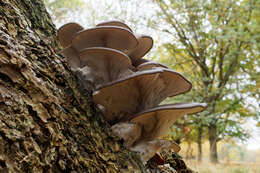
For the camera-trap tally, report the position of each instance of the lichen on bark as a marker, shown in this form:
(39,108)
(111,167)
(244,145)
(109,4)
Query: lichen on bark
(48,122)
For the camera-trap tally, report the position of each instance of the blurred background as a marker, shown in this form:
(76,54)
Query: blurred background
(216,45)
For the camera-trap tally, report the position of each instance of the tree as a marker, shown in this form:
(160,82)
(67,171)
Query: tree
(215,46)
(48,123)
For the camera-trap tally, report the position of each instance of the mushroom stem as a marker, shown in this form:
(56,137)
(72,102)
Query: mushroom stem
(147,149)
(130,132)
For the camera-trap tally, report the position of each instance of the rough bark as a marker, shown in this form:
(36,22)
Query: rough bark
(199,144)
(48,123)
(213,143)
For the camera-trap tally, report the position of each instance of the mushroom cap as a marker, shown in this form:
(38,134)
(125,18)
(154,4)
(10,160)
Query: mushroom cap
(66,32)
(115,23)
(105,36)
(145,43)
(150,65)
(167,84)
(122,97)
(143,90)
(107,63)
(157,121)
(147,149)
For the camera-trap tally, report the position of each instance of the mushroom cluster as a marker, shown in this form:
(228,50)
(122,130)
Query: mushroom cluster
(108,59)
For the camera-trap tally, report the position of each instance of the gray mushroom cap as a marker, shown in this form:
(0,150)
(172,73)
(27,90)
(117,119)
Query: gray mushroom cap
(157,121)
(66,32)
(148,65)
(140,91)
(145,43)
(105,36)
(115,23)
(76,40)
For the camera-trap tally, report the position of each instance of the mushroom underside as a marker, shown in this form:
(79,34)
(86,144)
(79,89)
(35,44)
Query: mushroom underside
(157,121)
(138,92)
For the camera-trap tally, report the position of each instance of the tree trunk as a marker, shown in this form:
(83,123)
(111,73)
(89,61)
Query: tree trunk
(199,144)
(48,123)
(213,143)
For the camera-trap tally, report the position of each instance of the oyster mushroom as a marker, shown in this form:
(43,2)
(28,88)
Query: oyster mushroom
(104,65)
(154,123)
(65,35)
(105,36)
(145,43)
(157,121)
(66,32)
(121,97)
(148,65)
(142,90)
(115,23)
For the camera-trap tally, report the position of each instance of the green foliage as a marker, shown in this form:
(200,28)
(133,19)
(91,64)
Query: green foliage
(215,44)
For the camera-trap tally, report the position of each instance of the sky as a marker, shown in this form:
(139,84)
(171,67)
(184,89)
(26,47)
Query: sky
(254,141)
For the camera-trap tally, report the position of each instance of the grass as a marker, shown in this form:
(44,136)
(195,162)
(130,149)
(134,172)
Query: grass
(206,167)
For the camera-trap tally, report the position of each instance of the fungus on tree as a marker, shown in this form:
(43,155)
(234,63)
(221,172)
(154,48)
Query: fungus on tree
(155,124)
(104,65)
(157,121)
(145,89)
(115,23)
(75,39)
(145,42)
(109,60)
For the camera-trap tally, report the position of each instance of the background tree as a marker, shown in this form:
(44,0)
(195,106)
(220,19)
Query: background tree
(215,44)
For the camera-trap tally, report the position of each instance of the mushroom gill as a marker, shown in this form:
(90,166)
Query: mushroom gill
(156,122)
(105,64)
(75,39)
(121,98)
(143,90)
(145,42)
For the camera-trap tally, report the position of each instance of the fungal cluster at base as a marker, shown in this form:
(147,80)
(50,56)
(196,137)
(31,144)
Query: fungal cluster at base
(108,59)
